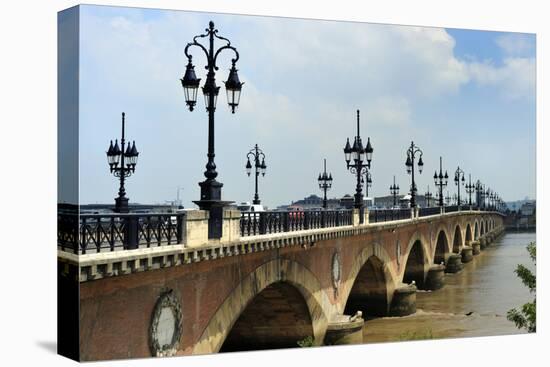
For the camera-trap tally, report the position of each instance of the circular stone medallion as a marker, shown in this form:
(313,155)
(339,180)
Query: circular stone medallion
(165,329)
(336,270)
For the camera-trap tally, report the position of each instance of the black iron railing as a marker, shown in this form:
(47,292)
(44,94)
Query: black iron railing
(386,215)
(284,221)
(95,233)
(451,208)
(434,210)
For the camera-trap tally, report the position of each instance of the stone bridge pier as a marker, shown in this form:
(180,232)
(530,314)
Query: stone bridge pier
(266,291)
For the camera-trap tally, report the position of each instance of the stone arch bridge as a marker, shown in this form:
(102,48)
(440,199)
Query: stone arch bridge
(266,290)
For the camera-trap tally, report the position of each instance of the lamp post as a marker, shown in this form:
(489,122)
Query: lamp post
(479,194)
(470,187)
(488,198)
(210,188)
(394,190)
(361,158)
(325,183)
(368,183)
(412,151)
(459,180)
(428,195)
(122,164)
(492,198)
(260,167)
(440,181)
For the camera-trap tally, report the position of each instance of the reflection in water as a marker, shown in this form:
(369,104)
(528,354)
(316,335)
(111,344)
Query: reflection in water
(473,302)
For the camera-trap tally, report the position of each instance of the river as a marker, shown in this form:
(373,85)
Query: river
(474,302)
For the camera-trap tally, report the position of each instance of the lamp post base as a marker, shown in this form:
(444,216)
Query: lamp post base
(121,205)
(211,193)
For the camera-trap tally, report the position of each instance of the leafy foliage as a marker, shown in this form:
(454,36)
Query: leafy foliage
(307,342)
(526,318)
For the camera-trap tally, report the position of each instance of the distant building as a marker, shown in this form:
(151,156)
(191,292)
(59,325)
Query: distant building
(524,217)
(528,208)
(313,202)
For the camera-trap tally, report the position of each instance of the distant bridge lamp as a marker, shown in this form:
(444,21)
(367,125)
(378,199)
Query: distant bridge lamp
(210,188)
(470,188)
(412,151)
(448,199)
(394,191)
(122,164)
(428,195)
(479,194)
(367,182)
(459,180)
(488,198)
(440,181)
(259,167)
(325,183)
(358,161)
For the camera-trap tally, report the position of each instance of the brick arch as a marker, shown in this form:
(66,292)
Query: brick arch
(469,236)
(441,245)
(279,270)
(458,238)
(379,253)
(423,258)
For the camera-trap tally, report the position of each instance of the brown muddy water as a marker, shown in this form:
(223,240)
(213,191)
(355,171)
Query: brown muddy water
(473,302)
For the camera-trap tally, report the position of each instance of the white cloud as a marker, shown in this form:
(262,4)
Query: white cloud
(515,79)
(516,44)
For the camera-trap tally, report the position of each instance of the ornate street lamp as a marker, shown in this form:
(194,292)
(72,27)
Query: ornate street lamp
(325,183)
(459,180)
(488,198)
(412,151)
(122,164)
(259,167)
(361,158)
(210,188)
(470,188)
(428,195)
(394,190)
(440,181)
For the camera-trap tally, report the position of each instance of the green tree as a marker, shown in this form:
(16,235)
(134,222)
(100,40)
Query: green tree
(526,318)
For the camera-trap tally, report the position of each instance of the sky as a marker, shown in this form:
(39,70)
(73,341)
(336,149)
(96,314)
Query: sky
(466,95)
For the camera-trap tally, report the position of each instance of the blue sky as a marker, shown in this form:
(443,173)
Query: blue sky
(466,95)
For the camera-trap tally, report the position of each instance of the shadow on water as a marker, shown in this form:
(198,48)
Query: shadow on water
(473,302)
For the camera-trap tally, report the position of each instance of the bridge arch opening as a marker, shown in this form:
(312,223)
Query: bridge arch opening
(278,317)
(414,269)
(441,248)
(476,231)
(468,234)
(457,241)
(369,292)
(482,227)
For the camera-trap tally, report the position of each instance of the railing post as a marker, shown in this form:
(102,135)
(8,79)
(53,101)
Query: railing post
(131,233)
(179,228)
(286,217)
(84,239)
(307,218)
(263,223)
(323,219)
